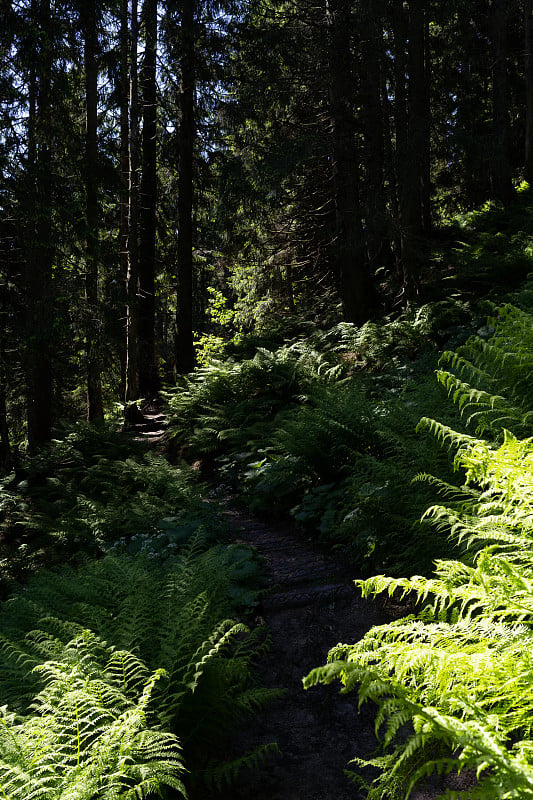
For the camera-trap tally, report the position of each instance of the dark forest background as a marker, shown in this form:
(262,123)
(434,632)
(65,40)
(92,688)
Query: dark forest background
(173,173)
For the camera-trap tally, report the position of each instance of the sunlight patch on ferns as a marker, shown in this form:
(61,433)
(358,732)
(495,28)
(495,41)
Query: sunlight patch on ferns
(127,642)
(452,681)
(87,737)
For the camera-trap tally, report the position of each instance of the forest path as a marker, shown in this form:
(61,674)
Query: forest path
(310,606)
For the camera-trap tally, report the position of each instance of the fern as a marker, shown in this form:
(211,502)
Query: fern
(451,682)
(121,621)
(74,500)
(86,737)
(227,404)
(496,394)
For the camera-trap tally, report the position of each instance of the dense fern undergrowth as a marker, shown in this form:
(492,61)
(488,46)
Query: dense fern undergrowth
(323,428)
(452,681)
(123,670)
(349,432)
(123,659)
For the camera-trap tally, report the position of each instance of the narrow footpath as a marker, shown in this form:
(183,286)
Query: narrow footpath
(309,606)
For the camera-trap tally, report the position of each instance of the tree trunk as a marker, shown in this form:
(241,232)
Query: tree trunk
(409,85)
(148,372)
(373,125)
(502,185)
(425,132)
(350,247)
(6,461)
(528,27)
(124,167)
(39,292)
(186,134)
(419,113)
(132,286)
(95,406)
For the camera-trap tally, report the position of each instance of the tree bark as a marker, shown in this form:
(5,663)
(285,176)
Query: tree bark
(502,185)
(528,29)
(6,461)
(95,405)
(39,289)
(148,372)
(186,135)
(350,246)
(424,112)
(124,167)
(410,109)
(132,284)
(373,125)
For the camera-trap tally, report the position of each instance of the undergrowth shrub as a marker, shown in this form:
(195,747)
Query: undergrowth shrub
(392,342)
(490,381)
(452,680)
(343,465)
(88,736)
(115,660)
(494,250)
(84,492)
(228,405)
(319,429)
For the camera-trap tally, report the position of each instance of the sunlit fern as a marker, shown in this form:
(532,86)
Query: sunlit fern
(87,734)
(490,381)
(452,681)
(132,617)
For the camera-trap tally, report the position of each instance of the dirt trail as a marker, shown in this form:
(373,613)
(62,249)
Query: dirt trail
(311,606)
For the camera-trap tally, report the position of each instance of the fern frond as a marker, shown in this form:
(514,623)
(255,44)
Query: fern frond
(444,434)
(219,774)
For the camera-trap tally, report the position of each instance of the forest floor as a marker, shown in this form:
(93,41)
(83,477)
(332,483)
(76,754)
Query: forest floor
(309,605)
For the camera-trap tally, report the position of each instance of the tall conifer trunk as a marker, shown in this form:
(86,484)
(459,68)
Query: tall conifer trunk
(6,459)
(132,284)
(39,288)
(5,447)
(148,373)
(424,113)
(373,124)
(124,167)
(186,134)
(350,248)
(412,136)
(528,37)
(95,406)
(502,186)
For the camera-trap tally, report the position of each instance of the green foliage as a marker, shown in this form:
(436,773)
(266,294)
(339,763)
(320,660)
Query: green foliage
(490,380)
(495,249)
(226,405)
(375,344)
(325,428)
(88,736)
(452,680)
(318,442)
(88,490)
(207,348)
(343,463)
(108,664)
